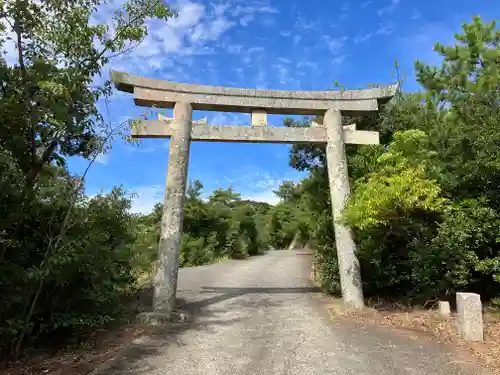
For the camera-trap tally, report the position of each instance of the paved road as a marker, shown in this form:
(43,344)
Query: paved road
(261,316)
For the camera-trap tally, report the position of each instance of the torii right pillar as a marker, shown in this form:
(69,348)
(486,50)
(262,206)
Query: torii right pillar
(349,270)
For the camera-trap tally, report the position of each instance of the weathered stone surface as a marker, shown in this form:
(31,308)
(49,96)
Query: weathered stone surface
(259,117)
(158,319)
(350,275)
(161,93)
(470,316)
(171,225)
(444,309)
(245,104)
(360,137)
(249,134)
(202,121)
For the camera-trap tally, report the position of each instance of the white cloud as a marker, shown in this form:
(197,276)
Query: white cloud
(211,31)
(389,8)
(240,10)
(258,184)
(283,74)
(253,50)
(307,65)
(338,60)
(385,29)
(189,14)
(253,55)
(416,14)
(285,33)
(197,30)
(363,38)
(302,24)
(220,9)
(102,159)
(146,150)
(420,45)
(251,182)
(261,81)
(234,48)
(343,17)
(145,197)
(266,197)
(245,20)
(344,12)
(335,45)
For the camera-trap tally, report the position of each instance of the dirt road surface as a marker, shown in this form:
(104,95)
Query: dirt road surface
(263,316)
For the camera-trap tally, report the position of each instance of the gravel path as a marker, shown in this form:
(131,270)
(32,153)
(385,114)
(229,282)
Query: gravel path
(262,316)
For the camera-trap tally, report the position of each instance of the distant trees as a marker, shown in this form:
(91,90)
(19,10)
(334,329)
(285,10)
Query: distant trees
(223,226)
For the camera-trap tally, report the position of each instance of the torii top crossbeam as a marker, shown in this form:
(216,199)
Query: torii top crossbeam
(164,94)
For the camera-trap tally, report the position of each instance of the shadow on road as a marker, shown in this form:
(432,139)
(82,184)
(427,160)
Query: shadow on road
(228,293)
(141,356)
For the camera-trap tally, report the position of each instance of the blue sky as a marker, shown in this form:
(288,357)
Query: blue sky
(274,44)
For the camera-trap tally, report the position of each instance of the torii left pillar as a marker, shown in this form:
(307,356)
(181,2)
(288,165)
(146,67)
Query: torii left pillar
(173,212)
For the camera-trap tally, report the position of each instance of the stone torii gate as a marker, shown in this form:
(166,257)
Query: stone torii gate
(182,130)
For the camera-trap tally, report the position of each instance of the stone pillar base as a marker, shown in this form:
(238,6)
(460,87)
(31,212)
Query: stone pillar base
(444,309)
(159,319)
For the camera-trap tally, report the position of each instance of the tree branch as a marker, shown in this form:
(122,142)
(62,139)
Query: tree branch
(28,112)
(119,34)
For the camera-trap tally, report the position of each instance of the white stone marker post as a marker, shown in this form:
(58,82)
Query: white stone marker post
(470,316)
(171,224)
(444,309)
(350,275)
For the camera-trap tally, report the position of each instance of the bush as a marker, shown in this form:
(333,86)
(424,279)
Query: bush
(465,254)
(325,255)
(72,280)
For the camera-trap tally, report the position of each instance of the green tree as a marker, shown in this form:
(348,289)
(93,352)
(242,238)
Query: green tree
(194,190)
(65,259)
(424,204)
(48,107)
(466,90)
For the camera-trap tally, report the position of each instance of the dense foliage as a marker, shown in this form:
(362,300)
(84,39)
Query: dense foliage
(65,259)
(222,227)
(425,205)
